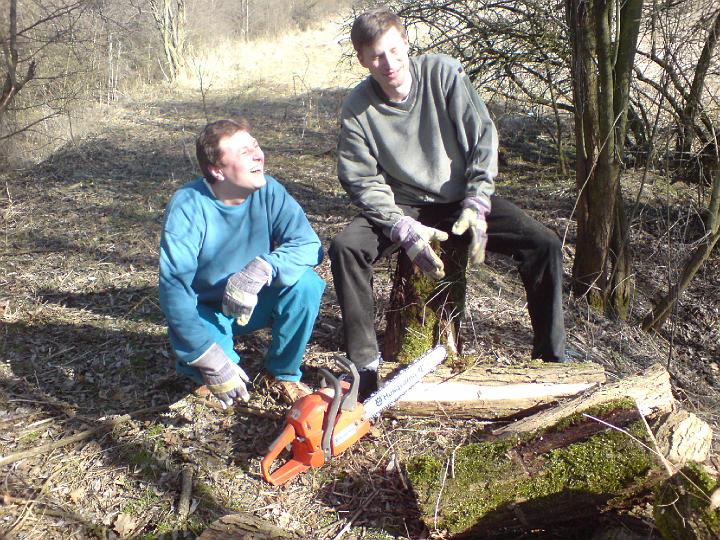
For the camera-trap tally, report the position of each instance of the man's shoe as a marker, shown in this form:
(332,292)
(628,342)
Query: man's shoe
(202,391)
(368,383)
(288,391)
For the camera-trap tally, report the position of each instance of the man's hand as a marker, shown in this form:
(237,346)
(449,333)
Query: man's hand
(223,377)
(415,238)
(242,288)
(473,217)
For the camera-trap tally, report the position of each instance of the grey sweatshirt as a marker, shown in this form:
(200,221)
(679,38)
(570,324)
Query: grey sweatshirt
(438,146)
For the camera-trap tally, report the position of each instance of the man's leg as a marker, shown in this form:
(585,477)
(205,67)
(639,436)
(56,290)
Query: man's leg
(352,254)
(290,312)
(220,329)
(538,252)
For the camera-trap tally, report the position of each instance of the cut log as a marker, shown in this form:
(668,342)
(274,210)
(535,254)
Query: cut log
(562,471)
(423,312)
(494,392)
(245,527)
(684,437)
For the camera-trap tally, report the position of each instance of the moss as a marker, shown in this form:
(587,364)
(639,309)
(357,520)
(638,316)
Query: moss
(598,411)
(486,478)
(682,505)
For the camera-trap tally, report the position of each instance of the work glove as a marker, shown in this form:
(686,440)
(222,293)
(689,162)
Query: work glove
(240,297)
(223,377)
(473,217)
(415,238)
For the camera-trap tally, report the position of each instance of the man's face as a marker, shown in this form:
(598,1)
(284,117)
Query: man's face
(242,163)
(388,63)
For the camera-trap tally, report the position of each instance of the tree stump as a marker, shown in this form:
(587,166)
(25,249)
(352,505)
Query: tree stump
(422,312)
(560,471)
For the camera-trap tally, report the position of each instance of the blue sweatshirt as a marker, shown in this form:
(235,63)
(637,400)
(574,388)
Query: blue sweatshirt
(205,241)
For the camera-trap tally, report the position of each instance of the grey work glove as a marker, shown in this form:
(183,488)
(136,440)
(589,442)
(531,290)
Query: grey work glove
(415,238)
(240,297)
(475,209)
(223,377)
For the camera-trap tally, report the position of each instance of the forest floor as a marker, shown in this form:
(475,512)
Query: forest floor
(83,339)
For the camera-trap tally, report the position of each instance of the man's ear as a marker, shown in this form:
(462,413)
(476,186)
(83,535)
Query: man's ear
(216,173)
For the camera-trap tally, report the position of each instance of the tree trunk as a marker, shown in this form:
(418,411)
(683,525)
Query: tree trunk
(602,60)
(422,312)
(494,392)
(561,471)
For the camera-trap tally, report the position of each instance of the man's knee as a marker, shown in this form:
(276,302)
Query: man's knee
(308,290)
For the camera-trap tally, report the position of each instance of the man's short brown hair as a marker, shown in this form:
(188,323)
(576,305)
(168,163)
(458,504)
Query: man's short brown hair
(372,24)
(207,145)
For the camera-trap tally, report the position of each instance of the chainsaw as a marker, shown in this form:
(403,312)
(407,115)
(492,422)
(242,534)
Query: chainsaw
(327,422)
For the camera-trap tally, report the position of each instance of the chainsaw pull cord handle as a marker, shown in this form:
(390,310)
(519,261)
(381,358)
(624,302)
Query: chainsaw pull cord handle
(350,400)
(331,415)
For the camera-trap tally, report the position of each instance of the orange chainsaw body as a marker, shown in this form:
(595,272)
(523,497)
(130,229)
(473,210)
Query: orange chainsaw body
(305,430)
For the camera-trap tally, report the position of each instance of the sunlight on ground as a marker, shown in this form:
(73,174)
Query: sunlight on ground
(297,62)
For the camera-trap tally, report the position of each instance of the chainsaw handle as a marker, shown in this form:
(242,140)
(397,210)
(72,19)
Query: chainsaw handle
(331,416)
(288,470)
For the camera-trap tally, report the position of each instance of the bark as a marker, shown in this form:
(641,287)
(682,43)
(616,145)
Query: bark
(494,392)
(422,312)
(245,527)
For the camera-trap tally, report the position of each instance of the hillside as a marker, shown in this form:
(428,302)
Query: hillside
(83,338)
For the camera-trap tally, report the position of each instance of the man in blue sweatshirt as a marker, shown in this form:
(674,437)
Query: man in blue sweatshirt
(418,154)
(237,254)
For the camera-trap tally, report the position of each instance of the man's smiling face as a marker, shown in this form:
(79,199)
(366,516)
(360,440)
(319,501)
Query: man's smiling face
(388,62)
(242,163)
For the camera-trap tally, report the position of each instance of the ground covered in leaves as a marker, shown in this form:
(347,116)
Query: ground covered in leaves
(82,340)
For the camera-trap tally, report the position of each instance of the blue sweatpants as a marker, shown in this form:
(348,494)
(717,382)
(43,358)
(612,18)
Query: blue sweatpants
(290,312)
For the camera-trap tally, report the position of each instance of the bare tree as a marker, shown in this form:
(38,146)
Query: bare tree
(170,19)
(26,41)
(603,52)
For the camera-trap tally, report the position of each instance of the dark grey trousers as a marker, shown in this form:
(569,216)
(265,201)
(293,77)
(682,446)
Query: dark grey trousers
(536,249)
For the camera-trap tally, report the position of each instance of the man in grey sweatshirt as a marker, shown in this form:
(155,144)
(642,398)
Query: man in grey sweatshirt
(418,155)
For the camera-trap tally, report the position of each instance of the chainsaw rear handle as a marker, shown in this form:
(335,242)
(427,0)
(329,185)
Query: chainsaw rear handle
(331,416)
(288,470)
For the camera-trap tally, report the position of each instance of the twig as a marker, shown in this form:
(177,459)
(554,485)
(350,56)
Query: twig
(186,492)
(106,426)
(437,502)
(357,513)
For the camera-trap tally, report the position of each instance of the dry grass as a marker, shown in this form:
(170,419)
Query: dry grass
(83,337)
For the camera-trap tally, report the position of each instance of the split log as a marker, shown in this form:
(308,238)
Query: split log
(422,312)
(245,527)
(492,392)
(650,390)
(563,470)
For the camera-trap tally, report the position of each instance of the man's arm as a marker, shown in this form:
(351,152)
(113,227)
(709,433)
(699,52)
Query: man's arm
(178,265)
(297,246)
(476,134)
(362,178)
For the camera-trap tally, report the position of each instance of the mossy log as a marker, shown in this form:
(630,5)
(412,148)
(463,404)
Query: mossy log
(489,391)
(559,473)
(423,312)
(245,527)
